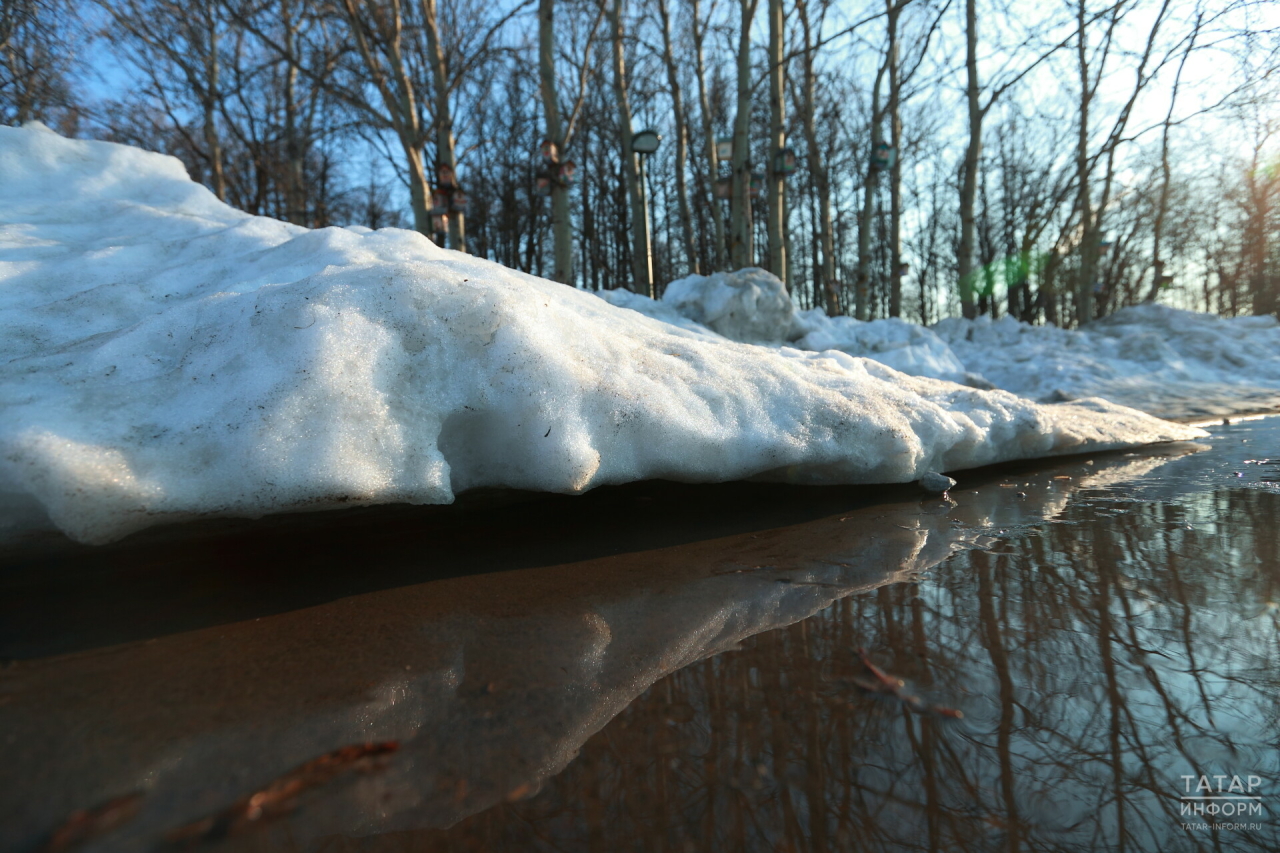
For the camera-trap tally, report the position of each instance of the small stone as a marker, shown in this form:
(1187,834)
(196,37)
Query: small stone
(936,483)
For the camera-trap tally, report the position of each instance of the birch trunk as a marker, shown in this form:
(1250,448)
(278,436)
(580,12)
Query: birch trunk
(862,291)
(445,152)
(826,270)
(682,139)
(718,252)
(642,273)
(561,226)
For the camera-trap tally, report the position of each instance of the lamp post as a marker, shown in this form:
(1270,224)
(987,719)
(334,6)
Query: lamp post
(643,144)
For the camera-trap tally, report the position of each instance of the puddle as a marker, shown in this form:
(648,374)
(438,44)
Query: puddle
(1056,649)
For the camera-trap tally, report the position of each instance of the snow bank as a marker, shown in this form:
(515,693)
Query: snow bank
(164,356)
(908,347)
(753,306)
(1160,359)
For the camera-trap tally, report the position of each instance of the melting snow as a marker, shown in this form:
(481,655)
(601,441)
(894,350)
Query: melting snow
(165,356)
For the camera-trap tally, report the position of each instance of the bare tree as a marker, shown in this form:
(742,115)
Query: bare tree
(777,212)
(682,137)
(641,260)
(719,249)
(741,250)
(35,57)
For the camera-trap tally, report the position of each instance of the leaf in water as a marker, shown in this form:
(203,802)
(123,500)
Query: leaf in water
(280,796)
(87,824)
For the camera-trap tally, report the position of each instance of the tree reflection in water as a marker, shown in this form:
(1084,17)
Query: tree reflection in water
(1097,657)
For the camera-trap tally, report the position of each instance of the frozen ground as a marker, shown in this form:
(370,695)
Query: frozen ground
(1165,361)
(163,356)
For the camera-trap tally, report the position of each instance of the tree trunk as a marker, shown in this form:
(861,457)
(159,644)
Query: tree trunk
(826,270)
(445,154)
(777,139)
(862,293)
(1162,206)
(396,90)
(561,225)
(1084,204)
(972,154)
(295,206)
(210,104)
(741,251)
(682,140)
(895,171)
(641,265)
(718,253)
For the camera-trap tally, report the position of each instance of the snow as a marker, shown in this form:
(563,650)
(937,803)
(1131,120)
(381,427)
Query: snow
(1164,361)
(750,305)
(908,347)
(165,356)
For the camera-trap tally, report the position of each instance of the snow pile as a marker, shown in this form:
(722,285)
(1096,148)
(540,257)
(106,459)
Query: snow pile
(164,356)
(752,306)
(1164,361)
(908,347)
(1160,359)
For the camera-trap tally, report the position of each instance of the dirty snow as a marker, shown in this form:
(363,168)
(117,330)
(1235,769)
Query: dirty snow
(164,356)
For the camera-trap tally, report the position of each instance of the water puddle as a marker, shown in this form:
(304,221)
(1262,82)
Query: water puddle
(1051,659)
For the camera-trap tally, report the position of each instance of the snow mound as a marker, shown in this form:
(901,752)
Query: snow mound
(1160,359)
(164,356)
(908,347)
(750,305)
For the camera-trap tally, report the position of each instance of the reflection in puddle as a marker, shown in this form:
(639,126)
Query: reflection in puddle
(1106,626)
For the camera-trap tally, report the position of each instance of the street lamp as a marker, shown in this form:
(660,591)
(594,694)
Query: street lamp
(643,144)
(646,141)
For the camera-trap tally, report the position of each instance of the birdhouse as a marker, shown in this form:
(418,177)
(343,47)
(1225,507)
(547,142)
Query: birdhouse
(903,269)
(458,202)
(724,148)
(565,173)
(440,223)
(1104,247)
(439,202)
(757,183)
(723,188)
(549,150)
(542,184)
(446,177)
(784,162)
(883,156)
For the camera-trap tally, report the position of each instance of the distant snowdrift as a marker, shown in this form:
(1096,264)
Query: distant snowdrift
(1159,359)
(164,356)
(1164,361)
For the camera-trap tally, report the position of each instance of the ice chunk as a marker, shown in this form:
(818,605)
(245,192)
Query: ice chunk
(936,483)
